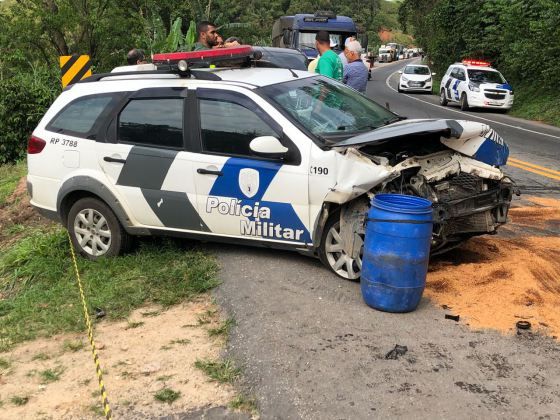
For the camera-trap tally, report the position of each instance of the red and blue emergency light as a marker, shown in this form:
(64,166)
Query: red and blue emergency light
(242,52)
(479,63)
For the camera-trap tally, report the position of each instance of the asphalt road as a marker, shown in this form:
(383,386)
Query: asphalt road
(534,147)
(311,349)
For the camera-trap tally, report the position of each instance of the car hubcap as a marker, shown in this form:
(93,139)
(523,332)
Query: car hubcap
(442,97)
(92,232)
(341,263)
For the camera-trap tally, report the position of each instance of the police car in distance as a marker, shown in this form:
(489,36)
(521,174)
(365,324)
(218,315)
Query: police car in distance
(473,83)
(415,78)
(261,156)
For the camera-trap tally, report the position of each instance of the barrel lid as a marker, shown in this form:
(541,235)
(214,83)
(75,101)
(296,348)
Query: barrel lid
(402,203)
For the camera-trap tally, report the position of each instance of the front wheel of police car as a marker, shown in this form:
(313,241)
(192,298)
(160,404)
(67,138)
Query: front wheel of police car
(95,230)
(333,255)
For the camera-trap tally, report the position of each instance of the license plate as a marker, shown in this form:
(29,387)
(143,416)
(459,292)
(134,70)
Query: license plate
(494,103)
(415,84)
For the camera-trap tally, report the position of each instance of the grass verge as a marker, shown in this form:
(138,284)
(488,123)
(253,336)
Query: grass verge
(9,177)
(536,104)
(40,296)
(223,371)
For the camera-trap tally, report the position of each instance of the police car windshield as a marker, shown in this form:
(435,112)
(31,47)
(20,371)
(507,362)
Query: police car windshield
(416,70)
(328,108)
(485,76)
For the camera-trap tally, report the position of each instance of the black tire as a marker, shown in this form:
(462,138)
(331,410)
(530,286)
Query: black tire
(399,90)
(90,234)
(464,102)
(334,223)
(442,98)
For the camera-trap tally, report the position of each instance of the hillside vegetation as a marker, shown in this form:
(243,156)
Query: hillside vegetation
(521,38)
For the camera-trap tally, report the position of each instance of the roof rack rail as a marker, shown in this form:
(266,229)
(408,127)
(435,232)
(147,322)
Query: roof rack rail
(197,74)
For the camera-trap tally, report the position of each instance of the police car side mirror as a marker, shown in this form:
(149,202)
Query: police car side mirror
(433,74)
(400,71)
(268,146)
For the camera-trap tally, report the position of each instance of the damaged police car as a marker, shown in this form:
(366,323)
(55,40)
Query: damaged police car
(261,156)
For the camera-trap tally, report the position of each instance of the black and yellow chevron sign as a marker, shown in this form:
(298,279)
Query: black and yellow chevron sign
(74,68)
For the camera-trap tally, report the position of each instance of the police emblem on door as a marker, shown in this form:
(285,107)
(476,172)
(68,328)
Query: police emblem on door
(249,182)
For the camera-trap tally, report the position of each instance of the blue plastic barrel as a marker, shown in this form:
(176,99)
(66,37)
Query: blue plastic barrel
(396,252)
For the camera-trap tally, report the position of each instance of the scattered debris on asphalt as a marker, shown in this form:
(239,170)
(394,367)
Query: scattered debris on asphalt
(523,325)
(521,265)
(396,352)
(452,317)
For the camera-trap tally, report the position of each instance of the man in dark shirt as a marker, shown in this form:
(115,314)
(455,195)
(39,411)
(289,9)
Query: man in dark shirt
(355,72)
(207,36)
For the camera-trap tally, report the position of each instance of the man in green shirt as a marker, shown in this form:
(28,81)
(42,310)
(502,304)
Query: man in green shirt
(329,64)
(207,36)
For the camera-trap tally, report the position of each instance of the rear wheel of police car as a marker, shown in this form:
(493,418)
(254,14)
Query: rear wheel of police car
(464,102)
(332,254)
(442,98)
(95,231)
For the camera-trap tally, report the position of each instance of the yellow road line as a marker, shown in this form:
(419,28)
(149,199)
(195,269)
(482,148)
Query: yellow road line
(535,171)
(532,165)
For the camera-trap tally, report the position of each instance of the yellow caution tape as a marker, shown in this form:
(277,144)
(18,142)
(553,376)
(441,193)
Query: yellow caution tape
(106,407)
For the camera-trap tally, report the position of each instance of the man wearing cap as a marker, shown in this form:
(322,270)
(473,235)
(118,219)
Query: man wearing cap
(329,64)
(355,72)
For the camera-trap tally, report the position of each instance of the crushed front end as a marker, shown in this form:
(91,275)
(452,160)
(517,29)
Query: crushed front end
(456,165)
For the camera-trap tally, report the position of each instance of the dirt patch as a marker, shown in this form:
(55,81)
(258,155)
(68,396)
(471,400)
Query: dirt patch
(545,211)
(493,282)
(17,212)
(152,351)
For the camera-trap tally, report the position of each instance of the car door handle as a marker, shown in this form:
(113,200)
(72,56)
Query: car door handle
(112,159)
(209,172)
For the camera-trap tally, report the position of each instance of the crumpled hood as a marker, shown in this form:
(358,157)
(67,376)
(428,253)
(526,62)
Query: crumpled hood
(470,138)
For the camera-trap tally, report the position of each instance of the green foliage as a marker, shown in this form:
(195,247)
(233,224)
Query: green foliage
(519,37)
(4,364)
(219,371)
(167,395)
(538,104)
(40,296)
(51,375)
(244,403)
(24,98)
(19,400)
(223,329)
(9,177)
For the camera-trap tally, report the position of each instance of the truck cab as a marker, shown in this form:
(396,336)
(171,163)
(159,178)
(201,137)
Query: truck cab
(298,32)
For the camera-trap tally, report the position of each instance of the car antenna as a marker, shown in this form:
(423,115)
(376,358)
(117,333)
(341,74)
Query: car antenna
(294,73)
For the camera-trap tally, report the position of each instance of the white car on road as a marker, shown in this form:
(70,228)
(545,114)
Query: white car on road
(473,83)
(273,157)
(415,78)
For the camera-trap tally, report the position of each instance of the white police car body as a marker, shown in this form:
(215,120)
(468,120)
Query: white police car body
(415,78)
(270,157)
(474,84)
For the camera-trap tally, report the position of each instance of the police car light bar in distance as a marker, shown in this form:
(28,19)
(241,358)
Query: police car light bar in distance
(480,63)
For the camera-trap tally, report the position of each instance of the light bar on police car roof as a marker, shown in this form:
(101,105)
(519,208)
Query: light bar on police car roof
(218,54)
(480,63)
